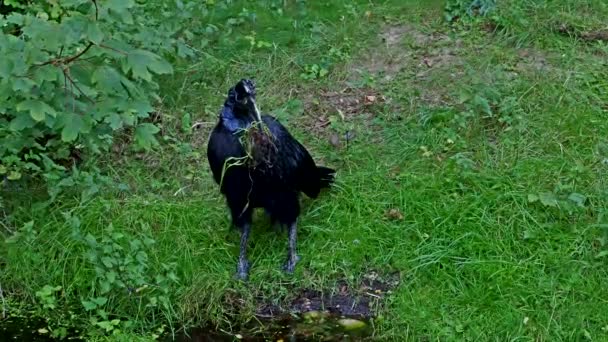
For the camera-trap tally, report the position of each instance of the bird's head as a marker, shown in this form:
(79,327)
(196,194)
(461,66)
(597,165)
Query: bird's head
(244,97)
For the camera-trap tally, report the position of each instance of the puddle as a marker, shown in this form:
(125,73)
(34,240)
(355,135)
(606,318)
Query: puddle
(342,313)
(313,326)
(23,329)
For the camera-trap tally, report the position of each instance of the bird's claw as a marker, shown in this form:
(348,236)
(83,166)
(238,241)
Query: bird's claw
(242,270)
(290,265)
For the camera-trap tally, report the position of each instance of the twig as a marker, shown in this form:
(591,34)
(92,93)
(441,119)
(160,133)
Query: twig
(68,60)
(66,73)
(181,190)
(198,125)
(113,49)
(73,58)
(96,9)
(373,295)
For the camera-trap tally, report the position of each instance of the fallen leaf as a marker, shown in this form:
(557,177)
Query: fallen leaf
(311,315)
(370,99)
(341,115)
(334,140)
(394,214)
(548,199)
(351,324)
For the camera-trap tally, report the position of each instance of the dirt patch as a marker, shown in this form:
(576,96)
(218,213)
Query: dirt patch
(361,300)
(406,47)
(595,36)
(394,35)
(600,35)
(432,60)
(343,105)
(532,59)
(425,58)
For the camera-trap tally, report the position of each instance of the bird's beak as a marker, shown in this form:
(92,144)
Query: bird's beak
(256,111)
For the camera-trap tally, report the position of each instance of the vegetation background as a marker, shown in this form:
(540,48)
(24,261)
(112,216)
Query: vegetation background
(470,139)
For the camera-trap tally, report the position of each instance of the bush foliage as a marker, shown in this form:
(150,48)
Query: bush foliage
(75,72)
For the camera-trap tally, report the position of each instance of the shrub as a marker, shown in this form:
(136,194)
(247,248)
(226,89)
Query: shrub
(72,74)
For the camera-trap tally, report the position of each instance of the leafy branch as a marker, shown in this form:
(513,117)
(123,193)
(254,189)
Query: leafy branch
(41,117)
(70,59)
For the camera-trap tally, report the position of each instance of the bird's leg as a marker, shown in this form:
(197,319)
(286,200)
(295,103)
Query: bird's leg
(242,268)
(292,256)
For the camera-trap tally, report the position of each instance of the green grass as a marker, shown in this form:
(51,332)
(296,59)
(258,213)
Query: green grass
(479,258)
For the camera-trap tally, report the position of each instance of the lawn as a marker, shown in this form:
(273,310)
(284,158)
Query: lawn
(471,185)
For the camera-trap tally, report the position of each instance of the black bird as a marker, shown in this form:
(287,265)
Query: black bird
(268,171)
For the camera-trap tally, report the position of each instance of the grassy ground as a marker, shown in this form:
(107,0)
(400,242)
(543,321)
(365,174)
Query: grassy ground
(475,168)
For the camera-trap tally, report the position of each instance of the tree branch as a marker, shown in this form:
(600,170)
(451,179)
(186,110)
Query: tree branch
(66,73)
(113,49)
(68,60)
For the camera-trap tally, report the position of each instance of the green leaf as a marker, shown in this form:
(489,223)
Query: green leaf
(140,61)
(14,175)
(483,103)
(532,198)
(37,109)
(107,261)
(23,84)
(601,254)
(119,6)
(89,305)
(73,125)
(47,73)
(21,122)
(548,199)
(16,18)
(107,326)
(114,120)
(6,67)
(111,277)
(105,286)
(100,301)
(94,33)
(142,108)
(144,135)
(107,78)
(578,199)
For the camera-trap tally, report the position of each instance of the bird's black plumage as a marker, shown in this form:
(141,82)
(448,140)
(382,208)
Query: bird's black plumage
(270,175)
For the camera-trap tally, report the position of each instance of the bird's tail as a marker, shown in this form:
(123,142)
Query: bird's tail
(326,176)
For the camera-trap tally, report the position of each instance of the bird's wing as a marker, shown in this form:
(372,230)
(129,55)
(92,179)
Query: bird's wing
(293,166)
(223,148)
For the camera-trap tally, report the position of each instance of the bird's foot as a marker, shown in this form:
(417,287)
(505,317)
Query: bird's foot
(242,270)
(290,265)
